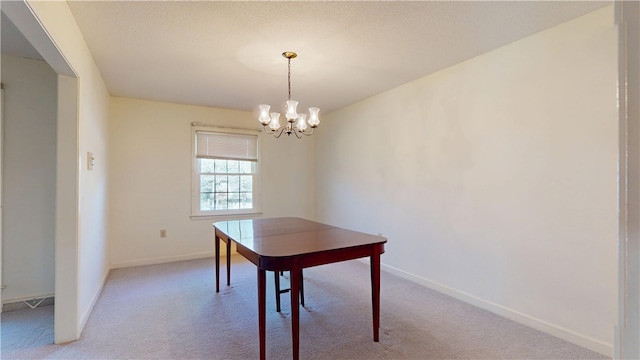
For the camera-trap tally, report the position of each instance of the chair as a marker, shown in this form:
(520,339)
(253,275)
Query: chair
(279,291)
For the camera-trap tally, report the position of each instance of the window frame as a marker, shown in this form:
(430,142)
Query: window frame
(195,177)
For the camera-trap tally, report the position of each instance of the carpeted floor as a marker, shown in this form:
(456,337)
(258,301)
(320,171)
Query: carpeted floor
(171,311)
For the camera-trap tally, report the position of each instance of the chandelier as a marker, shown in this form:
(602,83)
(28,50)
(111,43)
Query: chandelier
(296,123)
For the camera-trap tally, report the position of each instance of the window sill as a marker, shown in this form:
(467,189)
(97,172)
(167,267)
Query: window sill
(226,217)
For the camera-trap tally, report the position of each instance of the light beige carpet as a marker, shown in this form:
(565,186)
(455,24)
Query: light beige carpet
(171,311)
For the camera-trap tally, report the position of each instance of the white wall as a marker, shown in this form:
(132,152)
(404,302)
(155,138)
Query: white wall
(494,180)
(150,179)
(29,174)
(81,257)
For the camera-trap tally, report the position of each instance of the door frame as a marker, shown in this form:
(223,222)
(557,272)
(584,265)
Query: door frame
(627,332)
(66,324)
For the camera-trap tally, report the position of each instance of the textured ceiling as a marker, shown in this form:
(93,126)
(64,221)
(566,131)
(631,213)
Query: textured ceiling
(228,54)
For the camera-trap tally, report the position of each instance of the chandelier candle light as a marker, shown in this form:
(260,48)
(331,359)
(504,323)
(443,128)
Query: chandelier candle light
(296,123)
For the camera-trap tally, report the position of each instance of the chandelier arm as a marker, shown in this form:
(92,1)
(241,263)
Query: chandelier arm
(277,133)
(267,129)
(297,133)
(308,134)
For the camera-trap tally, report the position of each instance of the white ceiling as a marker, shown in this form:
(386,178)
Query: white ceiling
(228,54)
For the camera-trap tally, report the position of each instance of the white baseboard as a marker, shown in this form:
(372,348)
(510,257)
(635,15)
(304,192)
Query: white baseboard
(538,324)
(162,260)
(527,320)
(94,300)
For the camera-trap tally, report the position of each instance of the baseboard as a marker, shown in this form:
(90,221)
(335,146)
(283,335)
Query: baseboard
(527,320)
(94,300)
(162,260)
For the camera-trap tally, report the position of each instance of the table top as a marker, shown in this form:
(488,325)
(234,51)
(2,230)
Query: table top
(290,236)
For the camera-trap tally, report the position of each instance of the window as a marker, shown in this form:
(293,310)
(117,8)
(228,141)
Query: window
(225,176)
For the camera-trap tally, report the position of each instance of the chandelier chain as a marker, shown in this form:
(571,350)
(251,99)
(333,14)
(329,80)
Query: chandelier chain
(289,76)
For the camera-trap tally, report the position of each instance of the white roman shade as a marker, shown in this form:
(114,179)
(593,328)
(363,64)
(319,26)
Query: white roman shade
(213,145)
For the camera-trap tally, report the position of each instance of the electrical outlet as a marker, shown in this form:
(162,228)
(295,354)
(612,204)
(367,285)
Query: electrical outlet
(163,233)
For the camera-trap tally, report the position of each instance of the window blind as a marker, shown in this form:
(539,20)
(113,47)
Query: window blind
(213,145)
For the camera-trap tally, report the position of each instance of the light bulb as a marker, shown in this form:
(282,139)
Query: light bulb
(292,113)
(275,121)
(313,117)
(302,123)
(264,114)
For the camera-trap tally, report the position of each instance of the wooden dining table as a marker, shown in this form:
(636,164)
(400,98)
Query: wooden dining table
(291,244)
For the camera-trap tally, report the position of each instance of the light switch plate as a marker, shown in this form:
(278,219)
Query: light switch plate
(90,161)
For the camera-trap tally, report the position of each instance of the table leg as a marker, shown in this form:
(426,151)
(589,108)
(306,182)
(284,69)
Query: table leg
(217,251)
(375,293)
(228,262)
(276,279)
(262,313)
(296,276)
(301,288)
